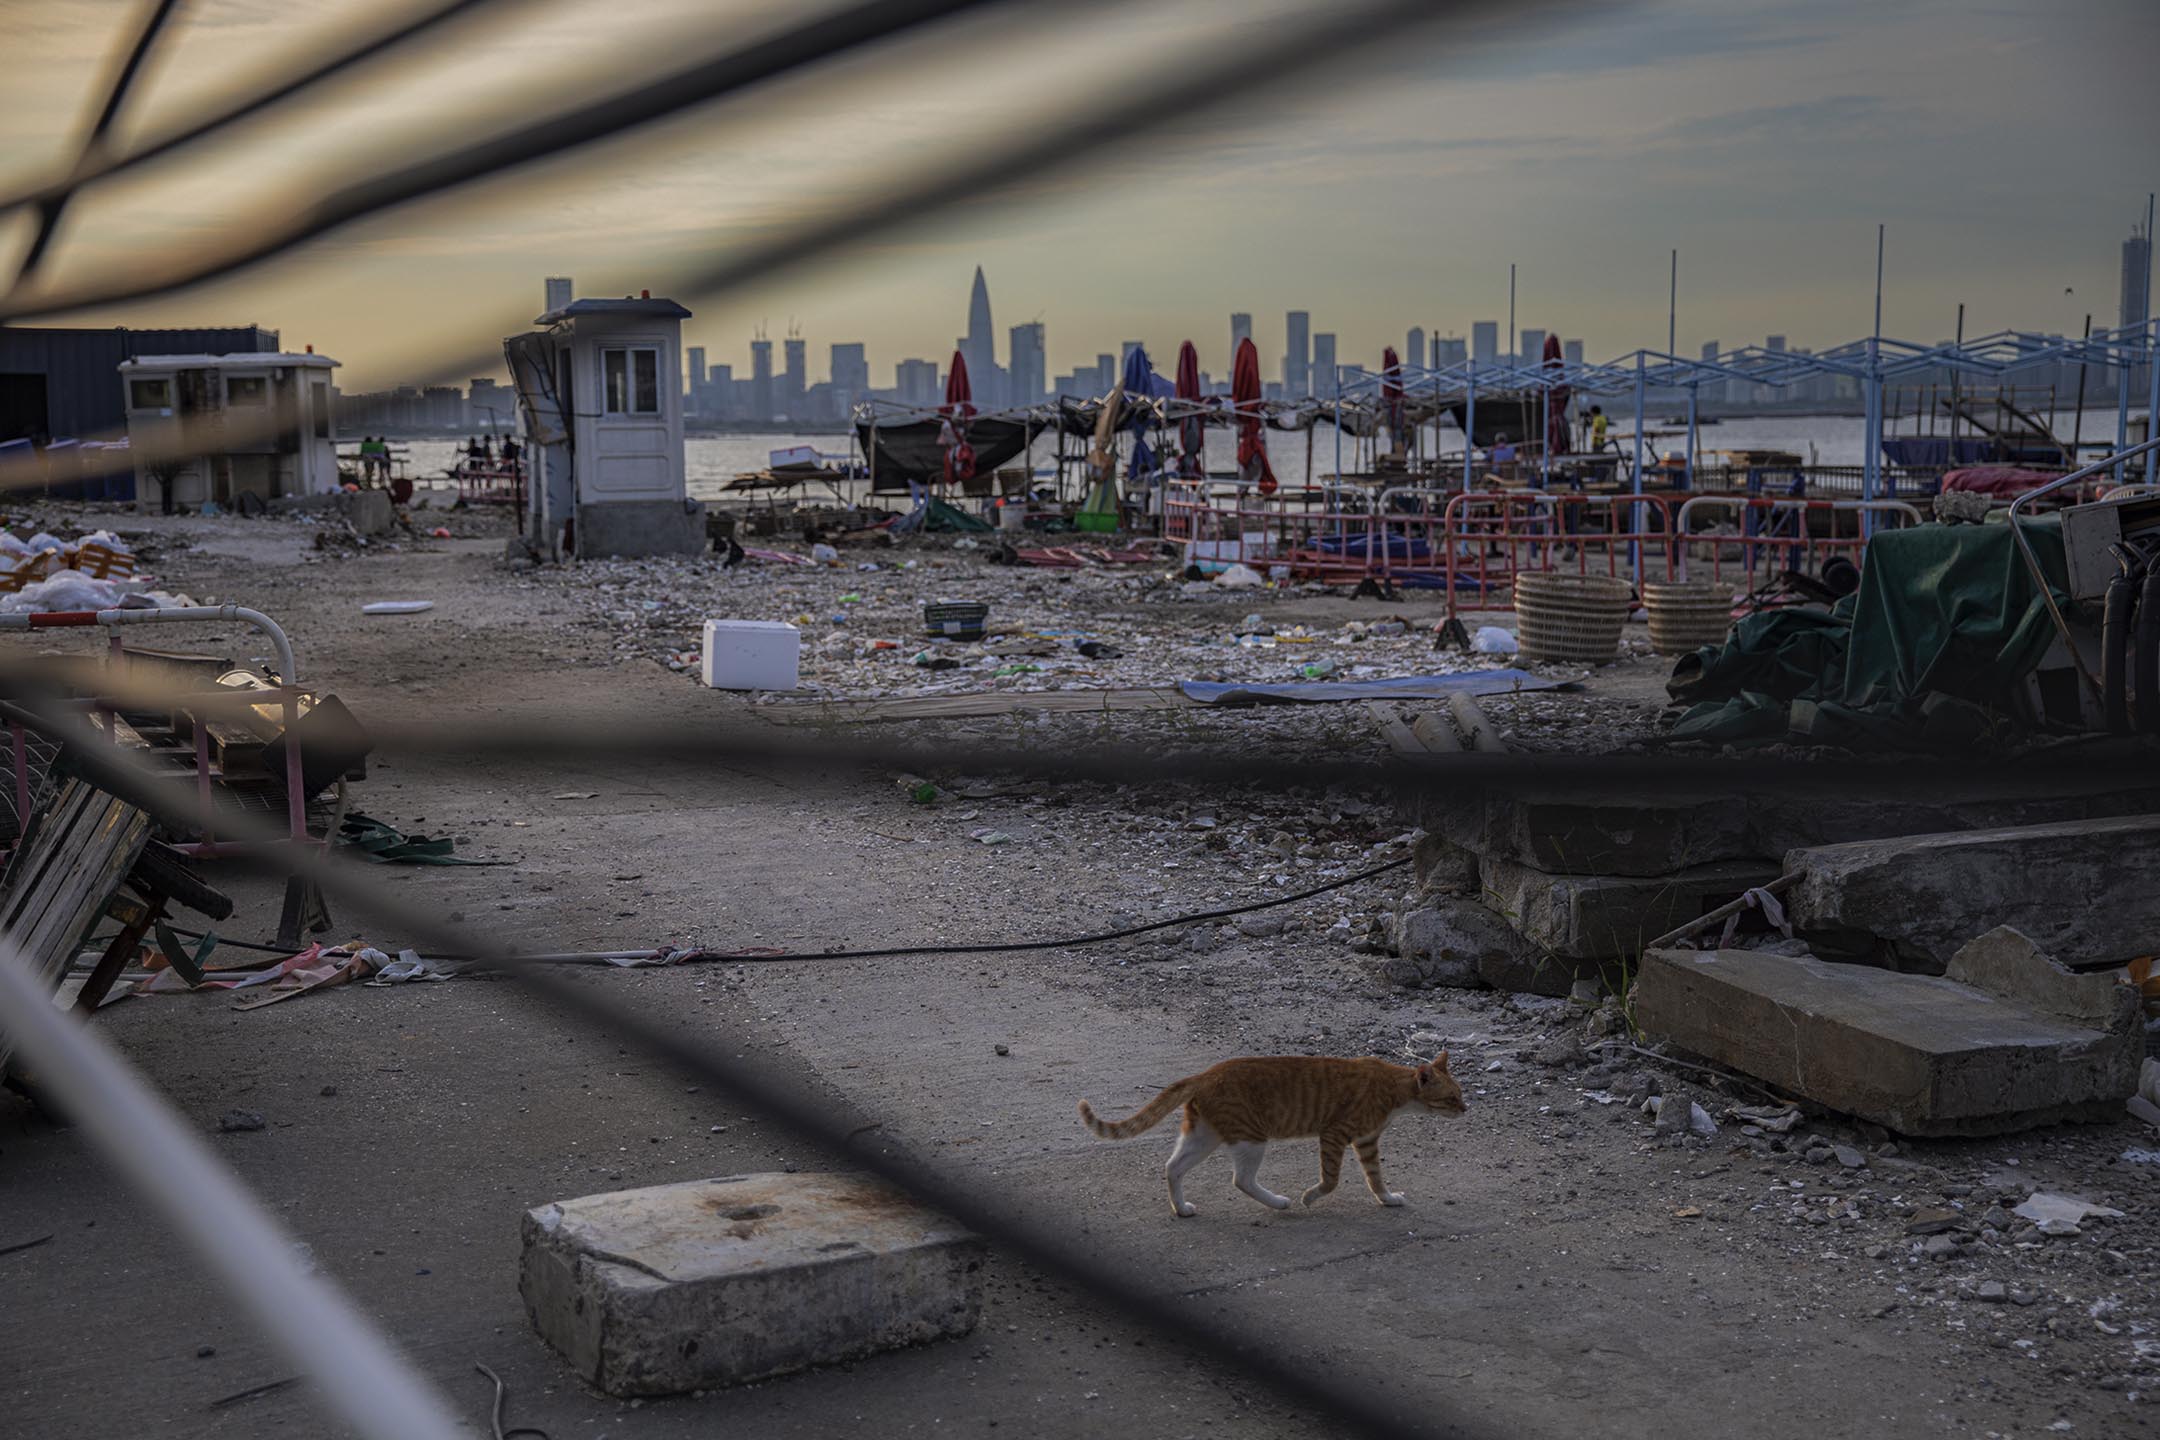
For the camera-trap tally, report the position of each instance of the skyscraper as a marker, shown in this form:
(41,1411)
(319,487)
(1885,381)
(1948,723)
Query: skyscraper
(761,390)
(1240,332)
(1024,374)
(1485,341)
(2136,277)
(1533,347)
(1323,364)
(1449,350)
(794,379)
(558,293)
(850,375)
(1572,352)
(979,347)
(697,374)
(1414,346)
(917,382)
(1297,355)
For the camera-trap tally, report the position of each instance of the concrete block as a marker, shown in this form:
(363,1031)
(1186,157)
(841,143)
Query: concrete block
(2086,891)
(634,528)
(717,1282)
(1456,942)
(2006,962)
(1658,832)
(1439,944)
(1608,917)
(1442,865)
(1920,1054)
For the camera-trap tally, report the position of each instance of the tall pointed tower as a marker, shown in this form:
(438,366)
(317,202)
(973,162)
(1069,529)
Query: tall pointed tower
(980,347)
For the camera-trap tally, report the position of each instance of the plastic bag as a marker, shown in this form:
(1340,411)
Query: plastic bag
(1492,640)
(62,590)
(1239,577)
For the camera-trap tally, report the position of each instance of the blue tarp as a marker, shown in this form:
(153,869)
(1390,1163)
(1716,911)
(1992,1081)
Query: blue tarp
(1404,687)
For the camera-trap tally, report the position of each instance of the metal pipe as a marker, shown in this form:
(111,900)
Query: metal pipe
(321,1335)
(1635,514)
(2032,561)
(288,667)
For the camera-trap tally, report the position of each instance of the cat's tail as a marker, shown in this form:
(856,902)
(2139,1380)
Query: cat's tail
(1145,1118)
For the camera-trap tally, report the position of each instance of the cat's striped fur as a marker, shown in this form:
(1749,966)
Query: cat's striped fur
(1246,1103)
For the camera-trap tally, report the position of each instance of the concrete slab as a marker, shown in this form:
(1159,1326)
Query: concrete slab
(2006,962)
(2085,891)
(1920,1054)
(1656,833)
(710,1283)
(1605,917)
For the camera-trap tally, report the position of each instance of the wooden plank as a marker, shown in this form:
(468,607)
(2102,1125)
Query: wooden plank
(61,878)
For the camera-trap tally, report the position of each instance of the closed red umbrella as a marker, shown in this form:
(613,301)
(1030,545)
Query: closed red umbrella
(1192,435)
(959,455)
(1252,456)
(1556,403)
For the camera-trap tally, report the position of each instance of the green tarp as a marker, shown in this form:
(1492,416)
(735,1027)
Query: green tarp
(1947,621)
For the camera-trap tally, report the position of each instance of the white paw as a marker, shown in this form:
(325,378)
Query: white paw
(1278,1202)
(1186,1210)
(1391,1199)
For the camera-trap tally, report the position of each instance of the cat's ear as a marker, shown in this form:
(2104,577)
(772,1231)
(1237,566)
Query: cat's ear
(1440,1061)
(1424,1076)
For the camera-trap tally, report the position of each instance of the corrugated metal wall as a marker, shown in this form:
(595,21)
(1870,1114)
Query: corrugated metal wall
(81,368)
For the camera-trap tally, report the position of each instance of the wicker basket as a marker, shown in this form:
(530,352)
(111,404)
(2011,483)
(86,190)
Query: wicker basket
(1687,615)
(1570,617)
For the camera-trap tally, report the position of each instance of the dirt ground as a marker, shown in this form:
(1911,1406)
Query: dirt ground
(1561,1268)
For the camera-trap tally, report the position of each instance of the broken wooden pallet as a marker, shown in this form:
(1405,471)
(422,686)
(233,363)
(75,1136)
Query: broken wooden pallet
(58,882)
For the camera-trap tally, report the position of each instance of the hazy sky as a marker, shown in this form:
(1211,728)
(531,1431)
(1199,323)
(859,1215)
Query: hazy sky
(2009,147)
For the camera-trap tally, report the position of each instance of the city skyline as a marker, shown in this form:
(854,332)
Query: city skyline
(1305,367)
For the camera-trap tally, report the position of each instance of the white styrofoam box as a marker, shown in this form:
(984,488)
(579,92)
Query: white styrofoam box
(752,655)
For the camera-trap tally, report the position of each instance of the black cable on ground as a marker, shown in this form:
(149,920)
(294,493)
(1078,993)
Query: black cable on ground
(993,947)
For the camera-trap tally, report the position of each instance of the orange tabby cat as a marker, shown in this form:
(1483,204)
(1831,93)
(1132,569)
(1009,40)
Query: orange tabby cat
(1246,1103)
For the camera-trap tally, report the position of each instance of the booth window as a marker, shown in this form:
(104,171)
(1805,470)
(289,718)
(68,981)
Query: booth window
(149,394)
(320,389)
(631,378)
(246,390)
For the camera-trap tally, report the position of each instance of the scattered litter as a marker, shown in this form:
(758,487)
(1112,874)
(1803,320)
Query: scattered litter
(1492,640)
(2061,1214)
(234,1122)
(388,845)
(1240,577)
(2141,1157)
(440,532)
(984,835)
(408,967)
(396,607)
(1688,1212)
(577,795)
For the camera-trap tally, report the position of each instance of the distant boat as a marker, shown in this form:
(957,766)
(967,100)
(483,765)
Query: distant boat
(1699,422)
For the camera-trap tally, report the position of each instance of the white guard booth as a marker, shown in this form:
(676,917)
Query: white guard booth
(257,424)
(600,403)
